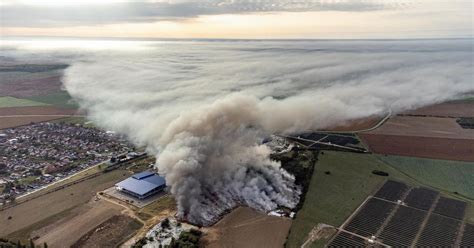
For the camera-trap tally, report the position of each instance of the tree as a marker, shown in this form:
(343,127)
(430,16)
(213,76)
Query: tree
(172,243)
(37,172)
(32,244)
(45,245)
(165,224)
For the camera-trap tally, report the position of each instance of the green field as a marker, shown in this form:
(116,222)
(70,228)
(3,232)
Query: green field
(7,101)
(59,99)
(332,198)
(28,180)
(155,208)
(451,176)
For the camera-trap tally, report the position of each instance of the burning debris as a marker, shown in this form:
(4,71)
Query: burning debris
(278,144)
(163,233)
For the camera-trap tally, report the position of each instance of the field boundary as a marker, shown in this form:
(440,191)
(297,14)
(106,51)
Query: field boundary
(51,191)
(458,196)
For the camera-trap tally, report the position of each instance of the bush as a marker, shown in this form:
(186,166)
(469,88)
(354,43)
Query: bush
(165,224)
(189,239)
(380,173)
(195,232)
(140,243)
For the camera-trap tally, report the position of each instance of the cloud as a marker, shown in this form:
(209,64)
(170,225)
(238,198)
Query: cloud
(16,14)
(203,107)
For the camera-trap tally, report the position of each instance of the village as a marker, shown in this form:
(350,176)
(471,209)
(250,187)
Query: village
(35,155)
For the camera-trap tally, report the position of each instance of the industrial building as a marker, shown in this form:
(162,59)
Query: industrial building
(142,185)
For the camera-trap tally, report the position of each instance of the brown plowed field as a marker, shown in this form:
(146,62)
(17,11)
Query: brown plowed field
(429,132)
(356,125)
(8,122)
(453,109)
(67,231)
(424,127)
(428,137)
(47,209)
(110,233)
(245,227)
(19,116)
(425,147)
(35,86)
(36,110)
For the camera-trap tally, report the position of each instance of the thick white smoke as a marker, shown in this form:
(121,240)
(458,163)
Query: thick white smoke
(212,160)
(204,106)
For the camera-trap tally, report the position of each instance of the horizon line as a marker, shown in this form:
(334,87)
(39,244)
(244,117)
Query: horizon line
(225,39)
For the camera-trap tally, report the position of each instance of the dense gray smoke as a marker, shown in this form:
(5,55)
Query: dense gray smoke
(203,107)
(213,161)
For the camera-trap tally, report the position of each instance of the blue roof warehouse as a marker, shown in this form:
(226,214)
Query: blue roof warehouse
(142,185)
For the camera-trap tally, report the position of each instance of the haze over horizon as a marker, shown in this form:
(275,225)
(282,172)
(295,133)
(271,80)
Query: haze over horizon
(239,19)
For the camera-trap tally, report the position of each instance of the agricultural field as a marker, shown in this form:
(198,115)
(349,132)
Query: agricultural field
(425,147)
(427,137)
(31,93)
(8,102)
(60,99)
(33,85)
(163,206)
(340,183)
(460,108)
(47,209)
(356,125)
(28,80)
(433,127)
(110,233)
(429,132)
(36,110)
(452,176)
(19,116)
(9,122)
(66,232)
(239,229)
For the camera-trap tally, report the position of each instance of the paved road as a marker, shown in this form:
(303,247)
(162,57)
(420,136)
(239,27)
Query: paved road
(60,180)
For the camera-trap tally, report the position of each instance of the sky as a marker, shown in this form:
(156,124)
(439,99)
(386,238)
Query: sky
(243,19)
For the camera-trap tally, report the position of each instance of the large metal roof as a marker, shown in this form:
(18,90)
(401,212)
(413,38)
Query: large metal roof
(142,175)
(142,183)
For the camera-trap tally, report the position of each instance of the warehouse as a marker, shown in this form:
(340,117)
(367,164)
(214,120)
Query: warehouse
(142,185)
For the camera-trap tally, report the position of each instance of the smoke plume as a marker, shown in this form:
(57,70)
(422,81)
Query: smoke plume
(203,107)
